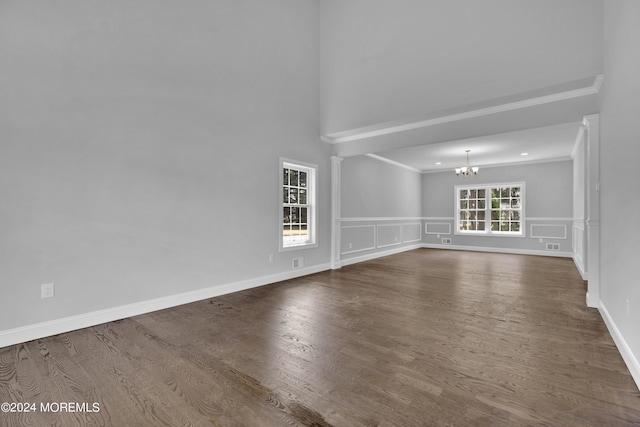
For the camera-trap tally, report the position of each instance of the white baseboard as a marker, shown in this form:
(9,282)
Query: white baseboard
(580,267)
(625,351)
(592,302)
(499,250)
(85,320)
(379,254)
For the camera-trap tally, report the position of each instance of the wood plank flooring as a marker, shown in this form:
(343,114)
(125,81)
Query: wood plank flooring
(423,338)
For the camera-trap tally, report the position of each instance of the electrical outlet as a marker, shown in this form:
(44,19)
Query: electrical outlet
(270,257)
(46,290)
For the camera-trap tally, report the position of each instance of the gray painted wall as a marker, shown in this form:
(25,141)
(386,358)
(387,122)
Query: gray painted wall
(139,147)
(372,188)
(549,194)
(381,207)
(388,199)
(389,60)
(620,151)
(549,188)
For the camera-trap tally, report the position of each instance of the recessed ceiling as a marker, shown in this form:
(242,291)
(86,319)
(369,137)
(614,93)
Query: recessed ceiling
(541,144)
(543,123)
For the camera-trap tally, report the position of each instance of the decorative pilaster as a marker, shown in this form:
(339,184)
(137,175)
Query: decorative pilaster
(335,212)
(592,126)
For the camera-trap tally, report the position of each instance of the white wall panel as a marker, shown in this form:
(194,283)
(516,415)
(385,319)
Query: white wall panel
(357,238)
(411,232)
(389,235)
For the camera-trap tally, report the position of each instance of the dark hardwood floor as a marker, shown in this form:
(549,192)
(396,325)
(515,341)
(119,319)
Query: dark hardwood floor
(427,337)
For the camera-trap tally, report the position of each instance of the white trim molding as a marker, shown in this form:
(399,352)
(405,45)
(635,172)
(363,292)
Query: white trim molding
(363,249)
(396,242)
(514,251)
(427,224)
(578,236)
(393,162)
(592,188)
(400,231)
(629,358)
(391,127)
(72,323)
(541,235)
(405,227)
(380,218)
(549,218)
(380,254)
(335,211)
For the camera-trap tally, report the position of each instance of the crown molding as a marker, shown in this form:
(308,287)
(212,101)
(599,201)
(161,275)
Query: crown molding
(393,162)
(371,131)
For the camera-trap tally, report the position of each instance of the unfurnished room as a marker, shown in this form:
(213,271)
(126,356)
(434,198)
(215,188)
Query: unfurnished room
(319,213)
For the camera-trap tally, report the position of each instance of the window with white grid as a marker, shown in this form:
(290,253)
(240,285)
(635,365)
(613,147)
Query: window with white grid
(298,205)
(493,209)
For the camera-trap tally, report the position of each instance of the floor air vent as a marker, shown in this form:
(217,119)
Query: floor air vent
(553,246)
(297,263)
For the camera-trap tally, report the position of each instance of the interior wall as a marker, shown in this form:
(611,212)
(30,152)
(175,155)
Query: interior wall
(373,188)
(140,144)
(619,153)
(390,60)
(579,233)
(548,202)
(380,207)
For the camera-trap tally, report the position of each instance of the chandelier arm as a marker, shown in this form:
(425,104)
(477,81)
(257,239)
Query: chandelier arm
(468,169)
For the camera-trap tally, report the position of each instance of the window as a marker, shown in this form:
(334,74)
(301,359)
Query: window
(494,209)
(298,210)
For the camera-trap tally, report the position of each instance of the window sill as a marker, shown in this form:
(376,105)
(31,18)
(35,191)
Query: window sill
(481,234)
(298,247)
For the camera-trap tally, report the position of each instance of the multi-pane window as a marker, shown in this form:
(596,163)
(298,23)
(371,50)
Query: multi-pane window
(490,209)
(472,211)
(506,208)
(298,205)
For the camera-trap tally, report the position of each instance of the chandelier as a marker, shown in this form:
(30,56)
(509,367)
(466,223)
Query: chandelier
(468,169)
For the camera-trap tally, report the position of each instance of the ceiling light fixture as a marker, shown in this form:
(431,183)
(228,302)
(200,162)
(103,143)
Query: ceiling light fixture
(468,169)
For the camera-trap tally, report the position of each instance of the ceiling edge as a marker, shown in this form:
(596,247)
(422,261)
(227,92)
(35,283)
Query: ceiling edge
(390,128)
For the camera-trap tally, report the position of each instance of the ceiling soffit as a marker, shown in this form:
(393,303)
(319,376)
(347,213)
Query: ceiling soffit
(564,103)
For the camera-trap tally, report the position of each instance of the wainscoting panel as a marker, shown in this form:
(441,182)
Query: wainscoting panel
(548,231)
(368,237)
(389,235)
(412,232)
(437,228)
(550,236)
(358,238)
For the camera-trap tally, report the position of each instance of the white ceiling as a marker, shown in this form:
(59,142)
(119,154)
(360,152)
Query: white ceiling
(543,123)
(542,144)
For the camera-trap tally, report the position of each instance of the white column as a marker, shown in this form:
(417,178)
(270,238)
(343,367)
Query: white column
(335,212)
(592,125)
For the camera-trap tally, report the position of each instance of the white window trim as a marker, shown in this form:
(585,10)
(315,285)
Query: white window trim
(312,218)
(487,232)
